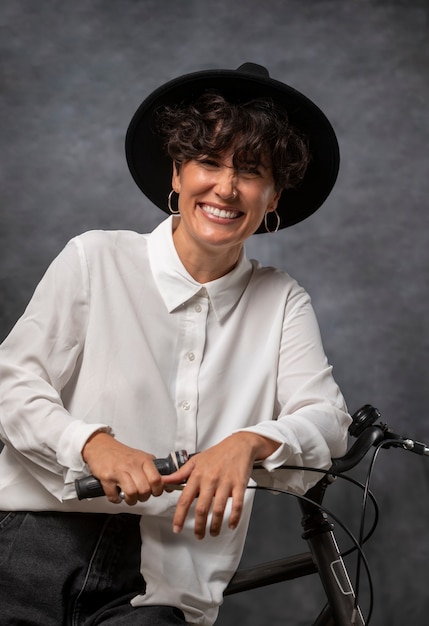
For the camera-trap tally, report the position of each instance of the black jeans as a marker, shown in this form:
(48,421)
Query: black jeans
(73,569)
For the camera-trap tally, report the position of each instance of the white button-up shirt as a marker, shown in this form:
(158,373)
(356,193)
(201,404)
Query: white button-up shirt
(118,336)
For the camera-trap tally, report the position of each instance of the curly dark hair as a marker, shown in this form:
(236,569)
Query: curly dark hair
(211,125)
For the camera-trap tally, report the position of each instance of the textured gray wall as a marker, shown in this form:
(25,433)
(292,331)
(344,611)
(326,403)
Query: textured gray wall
(72,75)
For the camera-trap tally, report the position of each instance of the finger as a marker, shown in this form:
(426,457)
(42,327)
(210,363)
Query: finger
(136,490)
(218,511)
(118,498)
(112,490)
(180,476)
(171,488)
(202,510)
(153,478)
(220,503)
(205,498)
(143,483)
(183,505)
(236,508)
(127,492)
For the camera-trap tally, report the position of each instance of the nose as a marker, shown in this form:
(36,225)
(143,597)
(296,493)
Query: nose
(226,184)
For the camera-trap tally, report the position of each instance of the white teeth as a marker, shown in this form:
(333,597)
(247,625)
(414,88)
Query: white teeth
(220,212)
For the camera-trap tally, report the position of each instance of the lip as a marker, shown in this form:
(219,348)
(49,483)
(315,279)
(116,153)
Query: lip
(215,212)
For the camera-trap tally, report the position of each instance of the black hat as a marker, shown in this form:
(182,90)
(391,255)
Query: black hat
(151,167)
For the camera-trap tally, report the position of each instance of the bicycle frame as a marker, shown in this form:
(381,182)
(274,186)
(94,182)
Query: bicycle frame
(324,558)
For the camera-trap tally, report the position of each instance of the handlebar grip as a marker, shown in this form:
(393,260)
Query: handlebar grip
(90,486)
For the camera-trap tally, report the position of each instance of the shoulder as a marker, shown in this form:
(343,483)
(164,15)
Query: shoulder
(275,290)
(101,239)
(98,252)
(107,243)
(273,279)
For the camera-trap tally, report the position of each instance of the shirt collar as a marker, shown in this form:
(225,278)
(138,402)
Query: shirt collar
(177,286)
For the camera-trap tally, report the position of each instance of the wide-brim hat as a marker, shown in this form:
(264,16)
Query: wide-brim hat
(151,167)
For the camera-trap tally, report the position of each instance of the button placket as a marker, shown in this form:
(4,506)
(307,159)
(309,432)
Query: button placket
(193,341)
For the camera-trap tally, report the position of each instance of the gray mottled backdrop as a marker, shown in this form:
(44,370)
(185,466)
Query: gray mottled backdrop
(72,74)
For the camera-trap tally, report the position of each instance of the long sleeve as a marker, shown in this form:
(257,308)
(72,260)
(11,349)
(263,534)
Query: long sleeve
(311,417)
(37,360)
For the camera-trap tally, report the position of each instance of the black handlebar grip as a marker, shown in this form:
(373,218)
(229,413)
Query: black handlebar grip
(90,487)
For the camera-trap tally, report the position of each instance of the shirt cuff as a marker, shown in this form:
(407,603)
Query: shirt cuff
(287,450)
(72,441)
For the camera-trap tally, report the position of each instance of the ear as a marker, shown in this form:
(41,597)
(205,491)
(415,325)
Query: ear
(175,179)
(272,206)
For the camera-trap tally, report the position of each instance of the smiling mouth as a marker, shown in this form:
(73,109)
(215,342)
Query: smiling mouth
(222,213)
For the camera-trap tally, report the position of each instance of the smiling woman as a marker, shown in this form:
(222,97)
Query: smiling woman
(220,207)
(134,345)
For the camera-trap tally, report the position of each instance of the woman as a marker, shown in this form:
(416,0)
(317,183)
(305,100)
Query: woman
(134,345)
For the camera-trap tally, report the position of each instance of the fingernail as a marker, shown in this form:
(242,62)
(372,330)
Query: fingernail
(176,529)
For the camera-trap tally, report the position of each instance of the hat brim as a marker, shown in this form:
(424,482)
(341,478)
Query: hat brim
(151,168)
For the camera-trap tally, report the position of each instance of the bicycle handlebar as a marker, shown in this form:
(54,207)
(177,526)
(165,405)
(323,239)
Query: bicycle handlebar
(369,435)
(363,428)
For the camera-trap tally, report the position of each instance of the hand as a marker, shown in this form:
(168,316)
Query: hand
(214,476)
(115,464)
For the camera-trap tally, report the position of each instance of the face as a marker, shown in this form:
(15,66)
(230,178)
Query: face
(220,206)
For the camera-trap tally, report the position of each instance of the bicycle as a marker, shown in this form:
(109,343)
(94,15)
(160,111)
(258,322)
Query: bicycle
(324,556)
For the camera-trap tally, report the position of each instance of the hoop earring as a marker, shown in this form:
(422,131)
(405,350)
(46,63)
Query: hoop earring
(170,195)
(266,222)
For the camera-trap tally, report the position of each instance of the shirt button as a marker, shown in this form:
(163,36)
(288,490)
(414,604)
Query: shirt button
(186,406)
(191,356)
(198,308)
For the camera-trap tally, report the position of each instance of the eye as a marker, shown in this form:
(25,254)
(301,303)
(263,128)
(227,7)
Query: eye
(249,170)
(208,163)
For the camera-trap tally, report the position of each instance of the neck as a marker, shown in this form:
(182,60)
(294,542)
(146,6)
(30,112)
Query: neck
(205,263)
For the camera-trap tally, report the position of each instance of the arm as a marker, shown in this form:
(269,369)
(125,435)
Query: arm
(312,418)
(36,362)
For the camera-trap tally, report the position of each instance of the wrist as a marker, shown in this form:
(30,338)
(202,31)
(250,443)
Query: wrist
(261,446)
(98,438)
